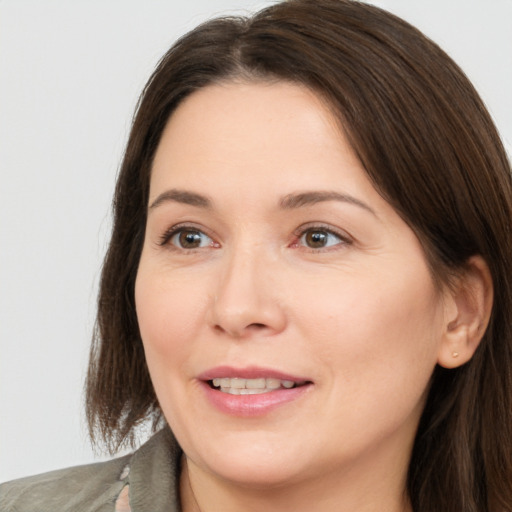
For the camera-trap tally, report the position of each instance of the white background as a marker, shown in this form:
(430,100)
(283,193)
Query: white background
(70,74)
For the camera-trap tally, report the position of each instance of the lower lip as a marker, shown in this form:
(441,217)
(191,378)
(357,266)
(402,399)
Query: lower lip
(252,405)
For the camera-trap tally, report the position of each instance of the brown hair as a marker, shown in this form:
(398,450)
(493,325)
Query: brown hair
(430,148)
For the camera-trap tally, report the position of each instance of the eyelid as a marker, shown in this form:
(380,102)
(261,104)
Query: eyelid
(167,235)
(345,238)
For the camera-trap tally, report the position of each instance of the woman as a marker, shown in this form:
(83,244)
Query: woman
(307,280)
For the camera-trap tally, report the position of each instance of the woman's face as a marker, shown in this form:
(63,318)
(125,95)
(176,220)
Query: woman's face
(272,265)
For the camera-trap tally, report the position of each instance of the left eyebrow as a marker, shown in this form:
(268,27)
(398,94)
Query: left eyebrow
(299,200)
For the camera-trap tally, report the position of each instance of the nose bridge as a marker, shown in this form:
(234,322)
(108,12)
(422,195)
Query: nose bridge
(246,297)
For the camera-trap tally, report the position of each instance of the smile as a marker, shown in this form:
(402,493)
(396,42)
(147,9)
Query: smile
(252,391)
(240,386)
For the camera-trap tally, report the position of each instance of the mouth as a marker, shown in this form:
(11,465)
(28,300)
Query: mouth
(257,386)
(252,391)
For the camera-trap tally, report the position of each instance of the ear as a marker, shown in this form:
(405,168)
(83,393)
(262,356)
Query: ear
(468,306)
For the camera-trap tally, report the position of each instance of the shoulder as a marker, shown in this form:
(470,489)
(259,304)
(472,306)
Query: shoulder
(92,487)
(96,487)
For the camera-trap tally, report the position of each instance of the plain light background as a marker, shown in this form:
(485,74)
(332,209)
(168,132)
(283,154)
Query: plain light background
(70,75)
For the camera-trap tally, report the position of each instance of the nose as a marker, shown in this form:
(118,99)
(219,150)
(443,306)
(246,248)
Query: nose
(247,300)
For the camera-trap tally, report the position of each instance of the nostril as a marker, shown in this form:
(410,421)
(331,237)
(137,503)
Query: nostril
(242,333)
(257,326)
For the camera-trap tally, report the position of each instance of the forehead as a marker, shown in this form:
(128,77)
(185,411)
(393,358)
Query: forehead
(238,112)
(244,130)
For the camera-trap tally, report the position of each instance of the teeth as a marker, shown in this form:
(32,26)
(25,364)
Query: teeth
(255,383)
(273,383)
(244,391)
(238,383)
(237,386)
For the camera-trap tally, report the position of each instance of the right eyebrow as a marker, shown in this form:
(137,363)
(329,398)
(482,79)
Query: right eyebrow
(182,196)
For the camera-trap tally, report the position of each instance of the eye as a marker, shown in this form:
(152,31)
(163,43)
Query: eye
(317,238)
(190,239)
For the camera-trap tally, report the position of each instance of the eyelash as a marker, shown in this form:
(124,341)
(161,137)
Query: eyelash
(175,230)
(344,238)
(298,234)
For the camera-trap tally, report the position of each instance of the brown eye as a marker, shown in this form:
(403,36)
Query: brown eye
(319,238)
(190,239)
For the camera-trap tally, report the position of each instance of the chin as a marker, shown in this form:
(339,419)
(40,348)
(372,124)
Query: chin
(264,475)
(254,463)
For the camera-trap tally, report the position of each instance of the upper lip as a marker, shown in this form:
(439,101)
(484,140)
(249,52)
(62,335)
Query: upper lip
(249,372)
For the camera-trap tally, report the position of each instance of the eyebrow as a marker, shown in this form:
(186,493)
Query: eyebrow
(299,200)
(182,196)
(288,202)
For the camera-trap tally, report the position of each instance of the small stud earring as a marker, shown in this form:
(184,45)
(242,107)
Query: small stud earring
(455,354)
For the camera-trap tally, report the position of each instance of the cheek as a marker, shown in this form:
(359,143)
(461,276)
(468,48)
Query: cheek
(378,347)
(168,313)
(375,325)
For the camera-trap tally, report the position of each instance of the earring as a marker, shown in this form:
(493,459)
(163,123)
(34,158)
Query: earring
(455,354)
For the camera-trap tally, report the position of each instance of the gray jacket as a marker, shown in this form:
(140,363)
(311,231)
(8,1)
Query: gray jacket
(151,474)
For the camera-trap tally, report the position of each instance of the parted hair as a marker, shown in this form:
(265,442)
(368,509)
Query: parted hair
(430,148)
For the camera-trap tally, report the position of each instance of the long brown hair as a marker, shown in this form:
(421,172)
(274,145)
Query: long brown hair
(430,148)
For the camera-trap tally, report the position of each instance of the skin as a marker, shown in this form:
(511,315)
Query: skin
(359,317)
